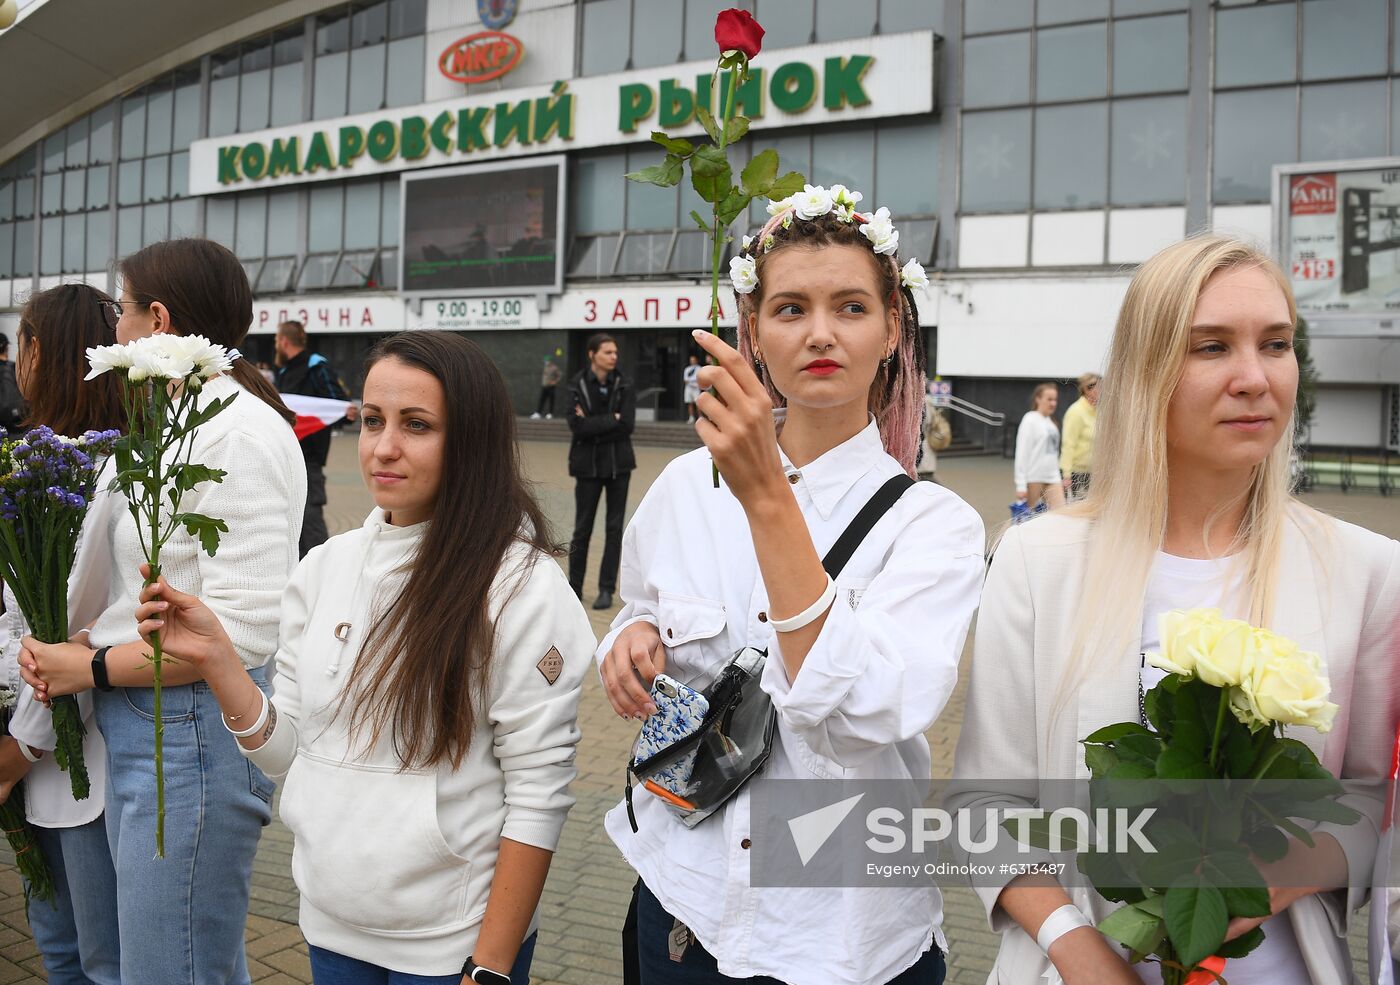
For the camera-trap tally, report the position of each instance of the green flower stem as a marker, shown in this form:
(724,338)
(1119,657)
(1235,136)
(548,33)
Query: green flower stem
(719,236)
(1219,726)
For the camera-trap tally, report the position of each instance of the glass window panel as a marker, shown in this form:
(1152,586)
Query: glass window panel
(845,157)
(74,243)
(184,218)
(179,174)
(256,55)
(1067,11)
(788,22)
(99,246)
(250,237)
(1395,38)
(1149,54)
(356,269)
(324,226)
(1148,165)
(407,18)
(155,224)
(389,216)
(129,183)
(7,250)
(370,25)
(133,126)
(916,238)
(1071,156)
(77,136)
(1394,119)
(100,134)
(317,271)
(332,33)
(26,164)
(282,223)
(998,15)
(598,192)
(7,201)
(250,269)
(51,197)
(253,94)
(1253,132)
(55,151)
(389,269)
(1255,45)
(700,28)
(691,252)
(997,70)
(367,79)
(593,256)
(405,81)
(1124,8)
(75,190)
(160,107)
(656,33)
(1071,62)
(157,183)
(606,35)
(219,219)
(911,15)
(223,106)
(276,276)
(24,198)
(906,168)
(51,246)
(224,64)
(1339,121)
(996,161)
(1343,38)
(286,94)
(648,206)
(838,20)
(361,215)
(644,253)
(329,91)
(186,116)
(24,249)
(289,46)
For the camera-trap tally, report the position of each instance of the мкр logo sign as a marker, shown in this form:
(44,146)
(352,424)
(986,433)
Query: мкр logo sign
(481,57)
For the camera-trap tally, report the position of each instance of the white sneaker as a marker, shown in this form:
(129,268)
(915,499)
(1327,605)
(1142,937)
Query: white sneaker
(690,420)
(549,417)
(535,416)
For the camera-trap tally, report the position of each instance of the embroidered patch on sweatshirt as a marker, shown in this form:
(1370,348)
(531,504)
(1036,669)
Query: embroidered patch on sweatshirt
(551,665)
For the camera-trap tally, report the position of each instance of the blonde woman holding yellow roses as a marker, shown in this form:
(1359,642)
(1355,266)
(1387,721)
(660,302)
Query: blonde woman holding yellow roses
(1189,509)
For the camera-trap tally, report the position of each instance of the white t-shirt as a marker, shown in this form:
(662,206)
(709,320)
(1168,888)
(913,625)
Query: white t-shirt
(1191,583)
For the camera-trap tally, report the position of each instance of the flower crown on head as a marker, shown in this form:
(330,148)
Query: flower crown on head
(813,202)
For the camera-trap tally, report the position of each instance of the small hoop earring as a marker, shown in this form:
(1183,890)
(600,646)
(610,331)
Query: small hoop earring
(758,367)
(885,363)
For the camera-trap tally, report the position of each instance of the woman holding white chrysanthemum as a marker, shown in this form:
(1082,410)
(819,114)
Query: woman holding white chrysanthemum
(1190,509)
(814,416)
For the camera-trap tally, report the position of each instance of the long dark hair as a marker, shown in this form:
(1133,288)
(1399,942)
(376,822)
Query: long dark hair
(423,670)
(66,321)
(206,291)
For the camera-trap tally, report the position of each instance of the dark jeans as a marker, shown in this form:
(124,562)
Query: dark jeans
(697,966)
(330,968)
(587,492)
(546,404)
(313,521)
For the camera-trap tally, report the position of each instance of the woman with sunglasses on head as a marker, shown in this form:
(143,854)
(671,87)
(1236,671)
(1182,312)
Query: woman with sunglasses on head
(182,917)
(814,417)
(76,933)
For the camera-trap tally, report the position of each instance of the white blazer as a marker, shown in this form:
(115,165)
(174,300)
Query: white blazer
(1338,595)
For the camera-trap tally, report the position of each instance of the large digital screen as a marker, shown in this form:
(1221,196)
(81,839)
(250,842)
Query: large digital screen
(484,229)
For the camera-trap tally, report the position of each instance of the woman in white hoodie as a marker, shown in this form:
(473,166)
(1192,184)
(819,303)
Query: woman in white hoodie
(1037,465)
(426,698)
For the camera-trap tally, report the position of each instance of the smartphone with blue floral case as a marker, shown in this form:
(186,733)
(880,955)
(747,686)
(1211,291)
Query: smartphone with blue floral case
(679,711)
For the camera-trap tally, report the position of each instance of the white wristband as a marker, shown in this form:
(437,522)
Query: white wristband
(1062,921)
(812,612)
(262,719)
(25,751)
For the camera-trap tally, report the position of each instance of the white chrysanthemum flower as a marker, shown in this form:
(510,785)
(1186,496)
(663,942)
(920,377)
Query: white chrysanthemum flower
(743,274)
(813,201)
(104,358)
(164,357)
(913,276)
(779,205)
(209,359)
(844,197)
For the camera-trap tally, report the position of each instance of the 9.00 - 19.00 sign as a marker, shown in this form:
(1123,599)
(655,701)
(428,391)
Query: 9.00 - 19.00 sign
(477,313)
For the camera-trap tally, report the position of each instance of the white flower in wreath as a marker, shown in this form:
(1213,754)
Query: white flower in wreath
(748,240)
(778,205)
(881,232)
(743,274)
(844,202)
(913,276)
(812,202)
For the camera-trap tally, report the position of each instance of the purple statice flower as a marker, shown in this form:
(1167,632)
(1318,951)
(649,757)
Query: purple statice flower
(76,501)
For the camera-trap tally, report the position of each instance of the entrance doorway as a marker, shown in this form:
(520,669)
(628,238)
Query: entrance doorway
(653,360)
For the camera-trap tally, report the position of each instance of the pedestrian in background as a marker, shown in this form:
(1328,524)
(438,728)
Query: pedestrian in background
(1077,446)
(1037,464)
(600,459)
(549,382)
(310,374)
(12,406)
(937,435)
(690,378)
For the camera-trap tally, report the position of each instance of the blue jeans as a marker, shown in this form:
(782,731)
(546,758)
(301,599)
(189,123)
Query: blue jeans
(181,917)
(697,966)
(330,968)
(77,933)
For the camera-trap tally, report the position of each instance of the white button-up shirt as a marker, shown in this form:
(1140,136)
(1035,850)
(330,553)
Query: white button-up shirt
(874,681)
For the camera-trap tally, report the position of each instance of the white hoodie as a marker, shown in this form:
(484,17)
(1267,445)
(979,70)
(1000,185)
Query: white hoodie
(395,865)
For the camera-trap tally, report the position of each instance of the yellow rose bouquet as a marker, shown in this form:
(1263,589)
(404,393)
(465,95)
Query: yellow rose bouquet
(1219,716)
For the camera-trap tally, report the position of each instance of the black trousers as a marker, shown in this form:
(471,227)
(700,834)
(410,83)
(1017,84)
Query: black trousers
(313,521)
(546,404)
(587,492)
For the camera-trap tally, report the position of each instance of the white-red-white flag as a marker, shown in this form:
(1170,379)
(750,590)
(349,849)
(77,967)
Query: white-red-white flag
(314,413)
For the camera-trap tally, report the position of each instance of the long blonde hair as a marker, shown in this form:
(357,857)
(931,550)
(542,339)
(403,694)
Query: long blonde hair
(1127,501)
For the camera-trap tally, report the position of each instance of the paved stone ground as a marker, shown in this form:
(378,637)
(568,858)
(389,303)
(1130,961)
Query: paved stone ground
(589,884)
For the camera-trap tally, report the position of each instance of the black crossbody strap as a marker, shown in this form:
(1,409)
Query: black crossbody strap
(885,497)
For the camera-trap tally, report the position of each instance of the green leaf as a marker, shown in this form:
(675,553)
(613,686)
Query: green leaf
(735,129)
(708,122)
(190,474)
(710,174)
(759,173)
(1099,759)
(1132,925)
(1239,752)
(1325,810)
(1196,919)
(1269,843)
(733,205)
(667,174)
(1160,704)
(674,145)
(1239,879)
(1139,747)
(701,222)
(1176,763)
(1112,733)
(1241,945)
(789,184)
(206,528)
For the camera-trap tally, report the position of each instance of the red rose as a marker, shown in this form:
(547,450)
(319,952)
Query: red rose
(736,30)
